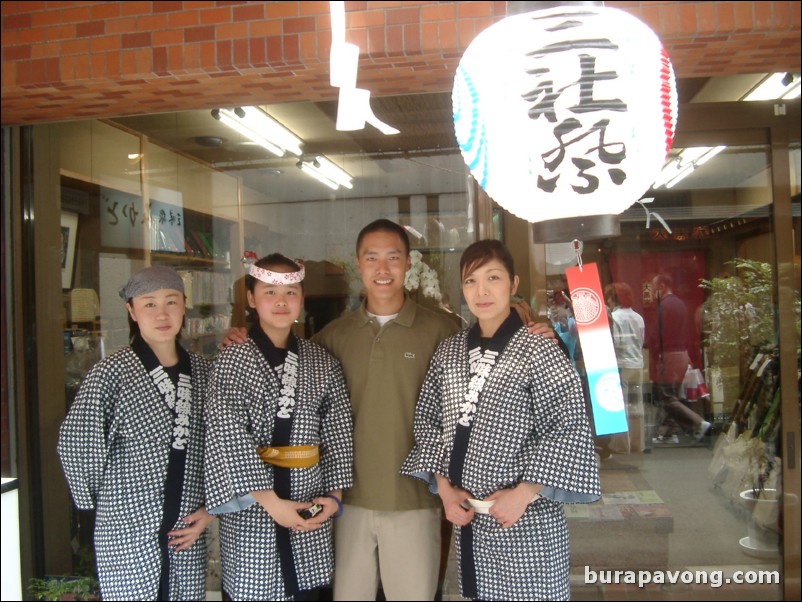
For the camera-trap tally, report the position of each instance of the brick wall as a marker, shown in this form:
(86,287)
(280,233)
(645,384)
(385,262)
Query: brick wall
(69,60)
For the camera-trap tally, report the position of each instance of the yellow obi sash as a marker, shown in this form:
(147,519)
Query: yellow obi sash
(290,456)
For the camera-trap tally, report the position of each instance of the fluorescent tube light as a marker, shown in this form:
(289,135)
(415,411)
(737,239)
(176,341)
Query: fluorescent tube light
(323,170)
(685,163)
(793,91)
(775,86)
(261,128)
(681,175)
(333,172)
(711,152)
(309,170)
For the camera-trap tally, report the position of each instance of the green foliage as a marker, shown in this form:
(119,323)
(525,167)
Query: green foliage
(64,588)
(81,586)
(85,562)
(739,313)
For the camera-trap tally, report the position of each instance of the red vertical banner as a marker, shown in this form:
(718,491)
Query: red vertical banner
(598,352)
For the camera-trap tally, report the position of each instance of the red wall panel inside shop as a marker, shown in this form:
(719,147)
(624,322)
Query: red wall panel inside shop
(686,268)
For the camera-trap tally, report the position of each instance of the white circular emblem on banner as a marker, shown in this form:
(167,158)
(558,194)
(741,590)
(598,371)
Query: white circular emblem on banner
(565,112)
(608,392)
(587,305)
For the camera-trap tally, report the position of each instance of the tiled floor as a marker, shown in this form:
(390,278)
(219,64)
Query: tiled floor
(665,592)
(705,527)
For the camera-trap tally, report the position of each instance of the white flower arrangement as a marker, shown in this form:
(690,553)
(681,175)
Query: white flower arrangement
(421,277)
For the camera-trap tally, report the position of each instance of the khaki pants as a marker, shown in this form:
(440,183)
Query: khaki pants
(401,548)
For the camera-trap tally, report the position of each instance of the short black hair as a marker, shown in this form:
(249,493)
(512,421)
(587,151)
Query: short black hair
(484,251)
(383,225)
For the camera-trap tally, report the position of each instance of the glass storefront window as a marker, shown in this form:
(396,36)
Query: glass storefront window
(697,262)
(153,190)
(189,221)
(128,201)
(428,196)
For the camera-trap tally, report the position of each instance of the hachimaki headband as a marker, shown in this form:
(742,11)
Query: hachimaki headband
(270,277)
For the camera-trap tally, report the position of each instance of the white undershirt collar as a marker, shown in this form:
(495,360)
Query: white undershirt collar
(382,320)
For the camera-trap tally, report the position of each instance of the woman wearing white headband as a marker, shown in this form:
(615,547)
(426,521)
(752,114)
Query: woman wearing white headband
(279,449)
(132,448)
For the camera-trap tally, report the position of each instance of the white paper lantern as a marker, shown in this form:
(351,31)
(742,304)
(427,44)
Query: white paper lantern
(565,112)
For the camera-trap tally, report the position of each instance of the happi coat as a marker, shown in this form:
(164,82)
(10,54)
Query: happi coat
(243,401)
(528,423)
(114,446)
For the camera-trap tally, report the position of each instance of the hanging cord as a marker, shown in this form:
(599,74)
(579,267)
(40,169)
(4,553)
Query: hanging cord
(649,215)
(578,246)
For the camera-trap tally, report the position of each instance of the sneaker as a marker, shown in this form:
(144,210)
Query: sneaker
(701,430)
(662,439)
(604,453)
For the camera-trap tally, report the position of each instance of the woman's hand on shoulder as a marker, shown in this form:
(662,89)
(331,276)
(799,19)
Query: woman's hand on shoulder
(527,317)
(543,329)
(235,335)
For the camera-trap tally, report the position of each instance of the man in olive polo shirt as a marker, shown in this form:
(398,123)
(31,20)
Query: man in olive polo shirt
(390,529)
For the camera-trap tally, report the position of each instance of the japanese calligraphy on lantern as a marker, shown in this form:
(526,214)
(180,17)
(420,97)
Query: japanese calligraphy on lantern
(565,112)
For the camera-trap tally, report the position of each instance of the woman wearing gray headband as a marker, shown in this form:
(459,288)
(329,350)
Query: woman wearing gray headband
(132,448)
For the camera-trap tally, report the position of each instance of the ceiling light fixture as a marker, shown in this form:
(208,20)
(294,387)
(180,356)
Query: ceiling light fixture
(326,172)
(209,141)
(309,170)
(775,86)
(261,128)
(684,164)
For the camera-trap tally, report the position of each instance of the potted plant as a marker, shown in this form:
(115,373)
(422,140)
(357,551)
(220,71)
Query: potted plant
(761,499)
(739,335)
(763,534)
(60,587)
(738,321)
(82,586)
(738,313)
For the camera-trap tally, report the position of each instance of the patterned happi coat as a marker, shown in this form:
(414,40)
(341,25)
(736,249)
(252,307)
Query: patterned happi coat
(242,404)
(529,425)
(114,446)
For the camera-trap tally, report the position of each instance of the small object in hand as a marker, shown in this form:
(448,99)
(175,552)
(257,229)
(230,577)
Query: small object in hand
(311,512)
(480,506)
